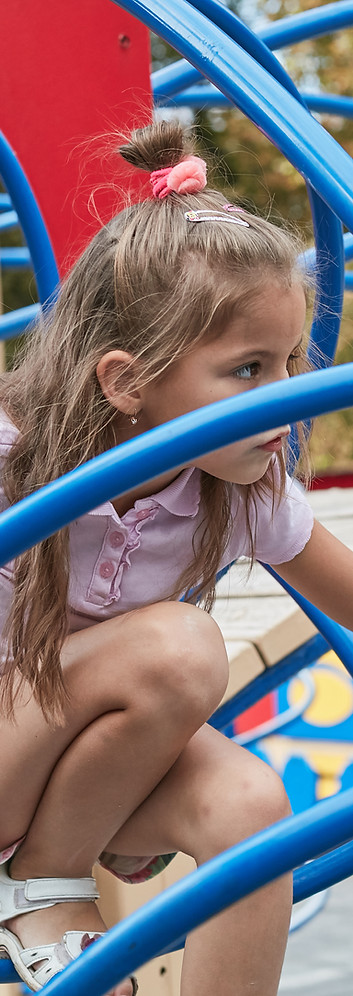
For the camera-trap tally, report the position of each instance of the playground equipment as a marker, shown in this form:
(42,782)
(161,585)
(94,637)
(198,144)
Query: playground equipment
(246,73)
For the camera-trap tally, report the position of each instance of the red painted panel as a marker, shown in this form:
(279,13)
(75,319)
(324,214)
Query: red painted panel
(259,713)
(69,72)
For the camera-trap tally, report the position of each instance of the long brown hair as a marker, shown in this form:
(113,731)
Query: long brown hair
(153,285)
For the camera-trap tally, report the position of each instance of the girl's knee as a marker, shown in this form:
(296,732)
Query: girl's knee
(267,798)
(189,660)
(241,796)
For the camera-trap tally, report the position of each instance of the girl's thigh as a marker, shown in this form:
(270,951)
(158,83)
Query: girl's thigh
(132,661)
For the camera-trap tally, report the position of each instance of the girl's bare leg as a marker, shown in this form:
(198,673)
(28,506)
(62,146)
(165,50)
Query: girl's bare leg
(215,795)
(139,688)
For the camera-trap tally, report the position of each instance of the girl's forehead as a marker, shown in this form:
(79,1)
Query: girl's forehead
(277,312)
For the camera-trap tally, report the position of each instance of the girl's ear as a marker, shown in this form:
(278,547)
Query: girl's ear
(116,373)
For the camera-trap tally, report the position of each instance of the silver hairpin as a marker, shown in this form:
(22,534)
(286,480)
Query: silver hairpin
(196,216)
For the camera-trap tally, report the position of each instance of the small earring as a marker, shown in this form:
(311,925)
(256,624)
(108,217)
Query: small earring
(134,418)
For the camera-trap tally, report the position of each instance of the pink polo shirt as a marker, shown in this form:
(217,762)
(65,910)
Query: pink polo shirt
(119,564)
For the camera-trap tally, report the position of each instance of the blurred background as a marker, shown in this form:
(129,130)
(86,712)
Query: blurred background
(248,167)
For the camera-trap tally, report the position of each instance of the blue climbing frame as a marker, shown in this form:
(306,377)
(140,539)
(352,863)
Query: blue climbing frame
(244,71)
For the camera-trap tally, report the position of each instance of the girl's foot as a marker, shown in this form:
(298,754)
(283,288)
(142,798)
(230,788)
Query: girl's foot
(50,924)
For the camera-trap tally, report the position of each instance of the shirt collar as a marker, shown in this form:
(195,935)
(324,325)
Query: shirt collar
(180,497)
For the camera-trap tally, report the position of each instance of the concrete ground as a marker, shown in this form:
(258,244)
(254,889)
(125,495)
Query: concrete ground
(319,959)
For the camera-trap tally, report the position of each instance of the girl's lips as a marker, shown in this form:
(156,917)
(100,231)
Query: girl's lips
(273,445)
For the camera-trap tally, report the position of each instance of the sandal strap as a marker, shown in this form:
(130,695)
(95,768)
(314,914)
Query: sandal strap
(60,889)
(39,893)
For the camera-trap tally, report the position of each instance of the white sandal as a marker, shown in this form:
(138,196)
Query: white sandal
(36,894)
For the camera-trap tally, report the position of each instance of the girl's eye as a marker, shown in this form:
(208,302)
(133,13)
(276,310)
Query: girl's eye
(247,372)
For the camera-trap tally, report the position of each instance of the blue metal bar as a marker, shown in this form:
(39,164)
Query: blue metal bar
(316,875)
(348,245)
(327,228)
(329,103)
(301,139)
(209,96)
(270,678)
(214,886)
(279,34)
(5,202)
(309,256)
(15,257)
(313,877)
(8,219)
(167,80)
(308,24)
(234,28)
(20,320)
(168,446)
(319,874)
(324,872)
(348,282)
(339,638)
(32,224)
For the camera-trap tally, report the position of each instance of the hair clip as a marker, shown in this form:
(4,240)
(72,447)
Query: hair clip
(205,215)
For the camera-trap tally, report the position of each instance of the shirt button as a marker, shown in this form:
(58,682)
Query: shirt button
(143,514)
(106,569)
(115,539)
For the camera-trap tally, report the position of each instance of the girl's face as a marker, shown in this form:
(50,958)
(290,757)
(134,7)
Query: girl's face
(253,350)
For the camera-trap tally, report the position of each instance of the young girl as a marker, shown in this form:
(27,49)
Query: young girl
(108,679)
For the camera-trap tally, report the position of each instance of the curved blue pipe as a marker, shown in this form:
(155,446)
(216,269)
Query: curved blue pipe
(311,878)
(234,28)
(269,679)
(19,320)
(32,224)
(302,140)
(15,257)
(339,638)
(208,96)
(279,34)
(175,444)
(327,228)
(8,219)
(5,202)
(308,24)
(214,886)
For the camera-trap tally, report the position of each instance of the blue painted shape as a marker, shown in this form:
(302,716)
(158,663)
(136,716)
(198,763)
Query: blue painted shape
(347,778)
(302,728)
(300,784)
(169,446)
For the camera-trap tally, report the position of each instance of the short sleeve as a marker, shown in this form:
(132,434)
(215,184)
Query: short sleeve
(283,533)
(280,529)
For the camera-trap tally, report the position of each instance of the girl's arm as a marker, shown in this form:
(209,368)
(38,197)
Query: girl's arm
(323,573)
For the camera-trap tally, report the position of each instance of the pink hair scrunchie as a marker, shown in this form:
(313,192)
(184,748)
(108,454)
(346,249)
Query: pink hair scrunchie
(186,177)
